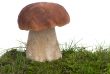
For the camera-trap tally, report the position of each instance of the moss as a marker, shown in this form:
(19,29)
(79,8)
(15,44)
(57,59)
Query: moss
(74,61)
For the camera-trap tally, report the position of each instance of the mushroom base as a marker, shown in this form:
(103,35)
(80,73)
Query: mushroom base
(43,46)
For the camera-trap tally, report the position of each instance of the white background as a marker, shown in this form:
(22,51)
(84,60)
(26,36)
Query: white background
(90,22)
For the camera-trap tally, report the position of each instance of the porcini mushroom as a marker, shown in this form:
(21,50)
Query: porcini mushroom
(40,19)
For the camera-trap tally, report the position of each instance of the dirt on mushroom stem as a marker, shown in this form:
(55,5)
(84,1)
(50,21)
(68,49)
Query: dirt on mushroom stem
(43,45)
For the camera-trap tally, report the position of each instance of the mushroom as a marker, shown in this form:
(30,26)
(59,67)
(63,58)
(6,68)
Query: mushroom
(40,19)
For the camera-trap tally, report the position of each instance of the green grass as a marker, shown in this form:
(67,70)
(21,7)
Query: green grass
(76,60)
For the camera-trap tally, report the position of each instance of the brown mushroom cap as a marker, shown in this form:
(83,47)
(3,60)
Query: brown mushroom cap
(42,15)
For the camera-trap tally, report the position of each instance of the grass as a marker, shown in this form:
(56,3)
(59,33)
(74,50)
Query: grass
(76,60)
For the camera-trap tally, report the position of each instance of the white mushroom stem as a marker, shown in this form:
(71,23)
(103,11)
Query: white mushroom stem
(43,45)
